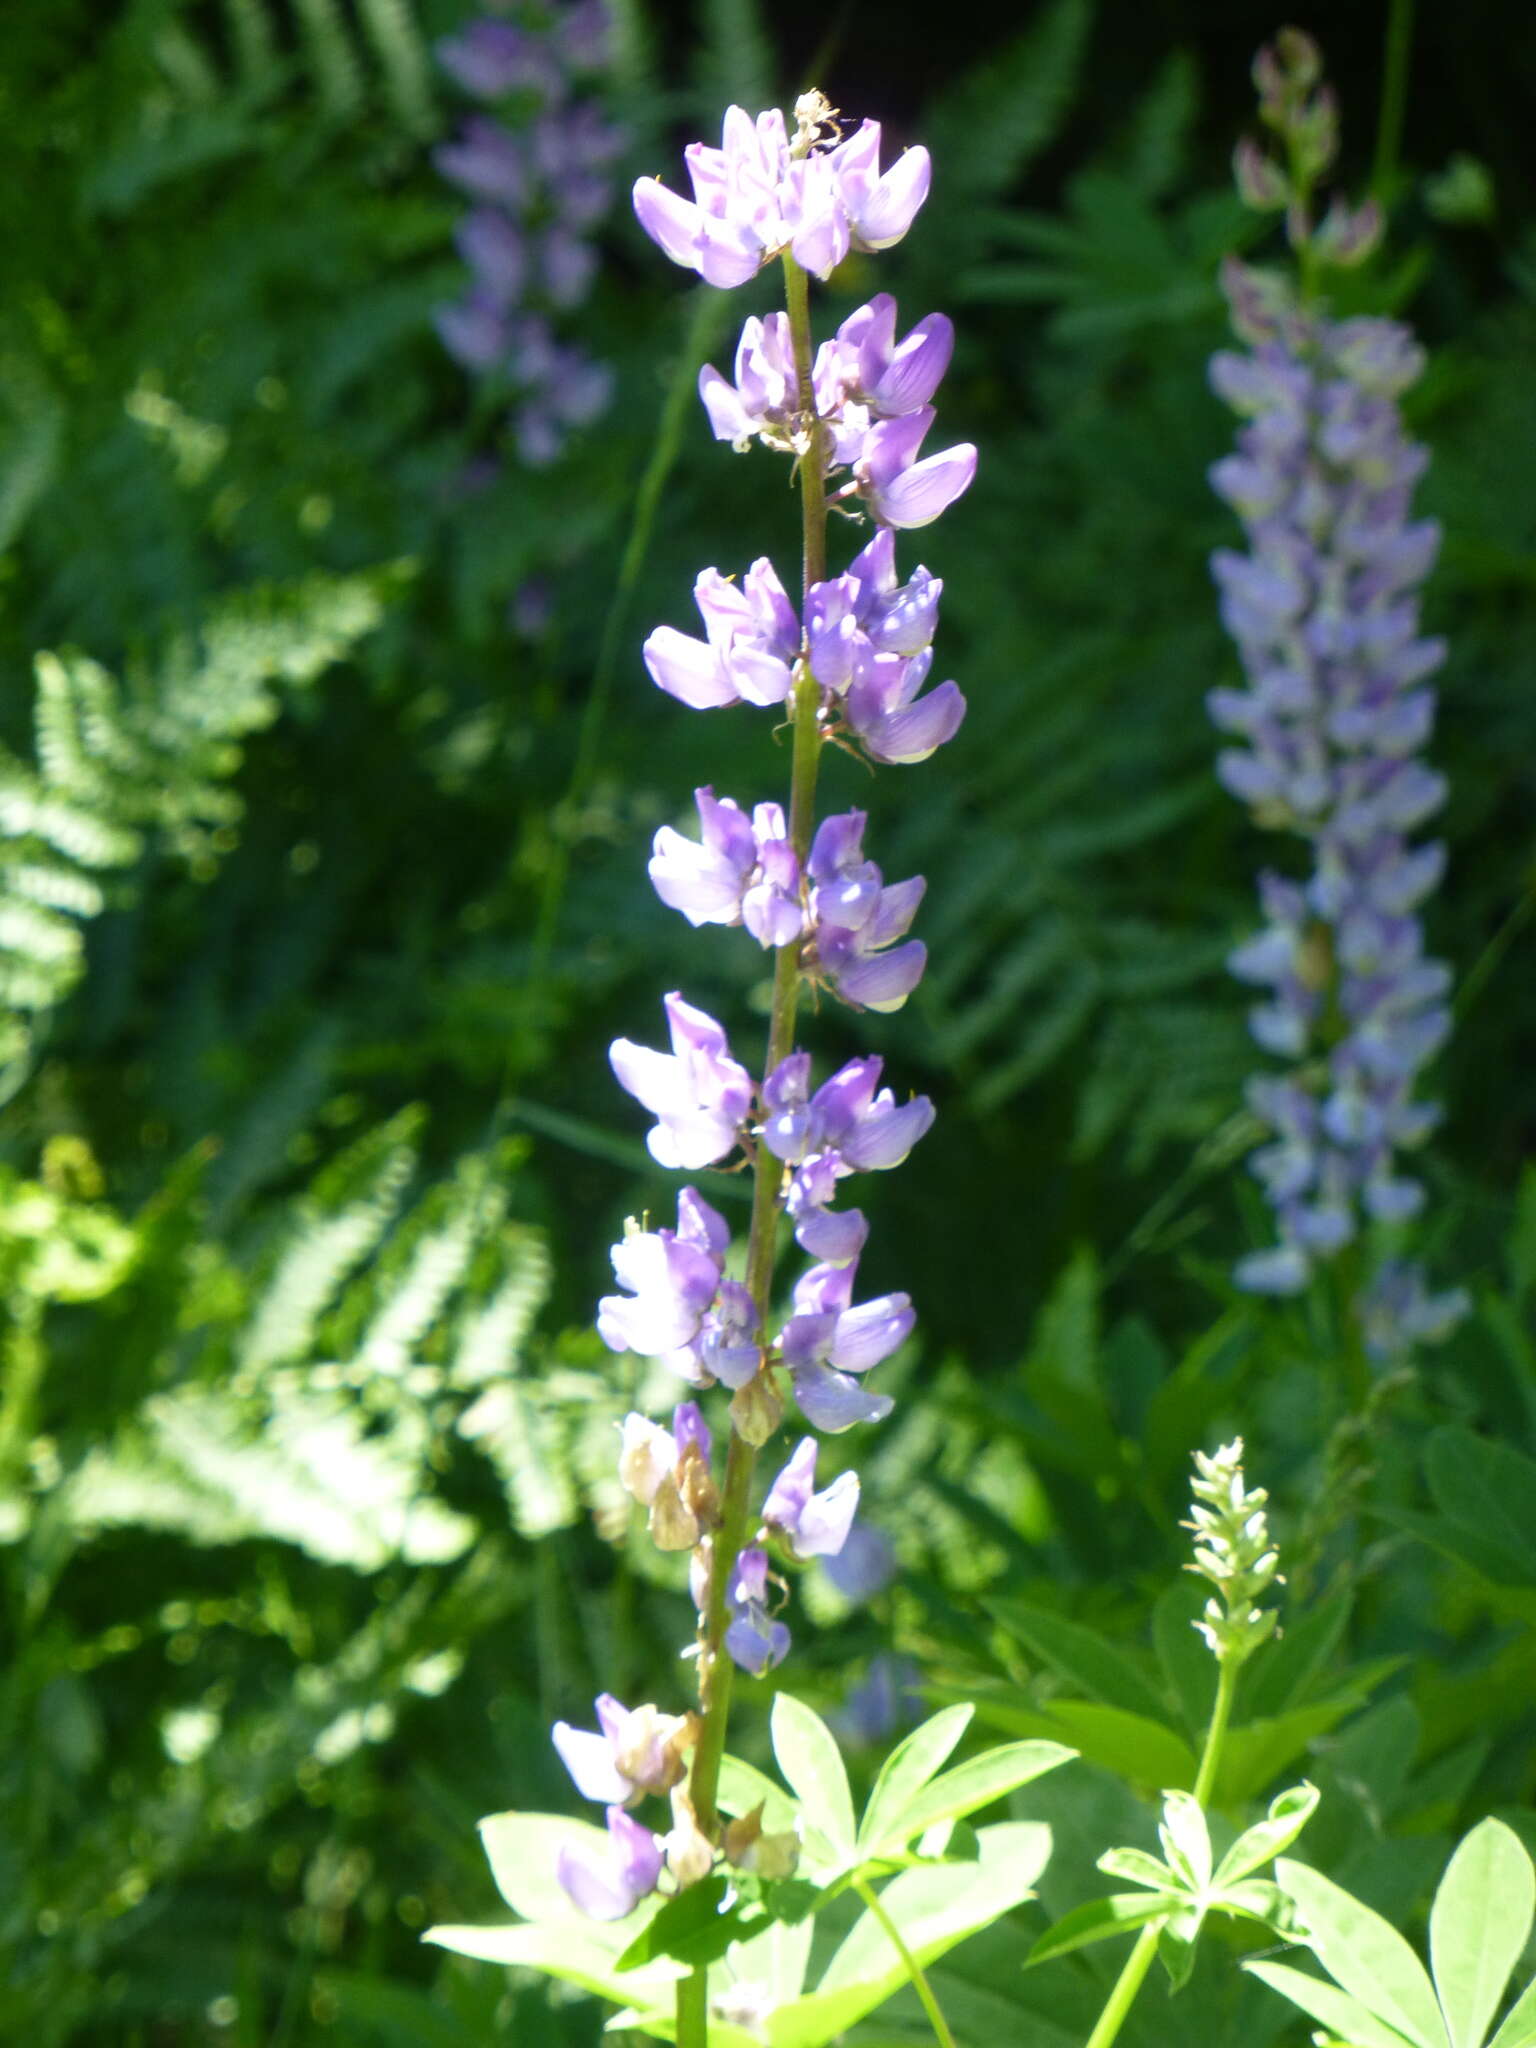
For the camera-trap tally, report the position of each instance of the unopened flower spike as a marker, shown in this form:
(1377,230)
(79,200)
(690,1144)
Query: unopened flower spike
(1234,1553)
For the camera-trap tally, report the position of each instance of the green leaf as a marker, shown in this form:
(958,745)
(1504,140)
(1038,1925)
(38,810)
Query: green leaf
(1487,1488)
(1346,2016)
(1176,1940)
(1288,1815)
(1143,1751)
(909,1767)
(807,1753)
(1099,1919)
(1478,1927)
(974,1784)
(743,1787)
(1519,2028)
(1365,1955)
(1186,1839)
(523,1849)
(1254,1755)
(1137,1866)
(1081,1657)
(934,1907)
(690,1928)
(989,126)
(576,1950)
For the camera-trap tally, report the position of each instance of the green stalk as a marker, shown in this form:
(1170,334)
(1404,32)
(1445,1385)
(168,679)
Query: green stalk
(715,1667)
(1394,99)
(914,1968)
(1139,1961)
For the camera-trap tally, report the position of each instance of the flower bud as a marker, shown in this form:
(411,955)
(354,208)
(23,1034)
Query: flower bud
(1347,236)
(689,1855)
(757,1409)
(1261,182)
(672,1523)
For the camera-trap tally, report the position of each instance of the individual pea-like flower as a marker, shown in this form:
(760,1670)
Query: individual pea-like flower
(812,1524)
(754,1639)
(758,195)
(850,1119)
(856,921)
(901,489)
(608,1885)
(864,1566)
(668,1472)
(752,643)
(672,1277)
(860,376)
(698,1094)
(739,871)
(828,1339)
(630,1753)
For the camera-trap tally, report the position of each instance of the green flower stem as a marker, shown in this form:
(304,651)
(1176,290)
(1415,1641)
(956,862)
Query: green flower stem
(715,1667)
(914,1968)
(1216,1731)
(1139,1961)
(1394,98)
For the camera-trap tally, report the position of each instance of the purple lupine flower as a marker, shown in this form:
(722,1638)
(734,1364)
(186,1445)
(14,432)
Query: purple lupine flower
(864,1566)
(753,198)
(610,1885)
(728,1347)
(827,1339)
(885,1700)
(901,490)
(1323,611)
(699,1095)
(491,58)
(740,870)
(764,401)
(754,1640)
(486,162)
(752,645)
(540,192)
(864,365)
(672,1278)
(649,1454)
(856,921)
(630,1753)
(850,1119)
(496,250)
(812,1524)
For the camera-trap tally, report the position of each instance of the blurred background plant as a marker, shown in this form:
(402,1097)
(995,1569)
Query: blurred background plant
(322,894)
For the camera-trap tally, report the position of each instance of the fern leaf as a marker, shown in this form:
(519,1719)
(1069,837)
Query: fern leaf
(990,126)
(333,58)
(390,25)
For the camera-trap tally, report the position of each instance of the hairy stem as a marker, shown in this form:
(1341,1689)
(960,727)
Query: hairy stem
(715,1668)
(914,1969)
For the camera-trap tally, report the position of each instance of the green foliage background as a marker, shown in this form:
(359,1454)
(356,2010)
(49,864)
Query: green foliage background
(322,894)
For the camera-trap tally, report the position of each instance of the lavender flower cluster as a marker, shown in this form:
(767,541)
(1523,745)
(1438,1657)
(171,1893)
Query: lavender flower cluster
(1324,610)
(540,186)
(851,662)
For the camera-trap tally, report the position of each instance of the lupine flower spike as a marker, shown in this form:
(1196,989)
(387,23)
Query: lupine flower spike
(1233,1553)
(847,663)
(1328,730)
(539,187)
